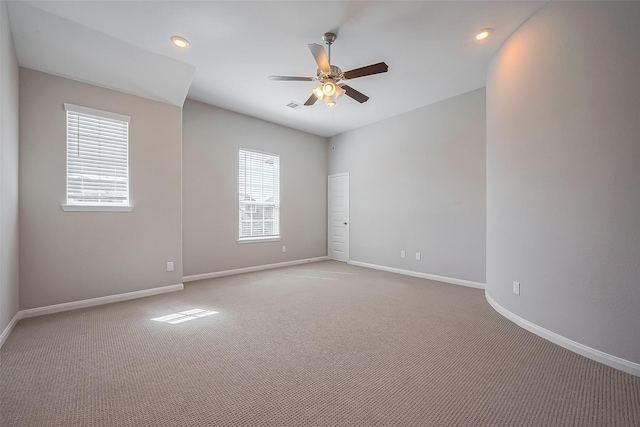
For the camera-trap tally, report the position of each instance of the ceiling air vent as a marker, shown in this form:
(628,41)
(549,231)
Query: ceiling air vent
(295,105)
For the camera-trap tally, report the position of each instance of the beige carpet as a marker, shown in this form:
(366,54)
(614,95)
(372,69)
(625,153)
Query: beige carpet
(323,344)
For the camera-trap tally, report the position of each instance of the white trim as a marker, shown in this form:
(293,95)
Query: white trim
(593,354)
(50,309)
(9,328)
(96,208)
(338,174)
(74,305)
(94,112)
(451,280)
(194,277)
(253,150)
(259,239)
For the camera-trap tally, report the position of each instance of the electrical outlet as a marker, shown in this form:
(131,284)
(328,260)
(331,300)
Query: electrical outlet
(170,266)
(516,288)
(284,249)
(402,254)
(417,256)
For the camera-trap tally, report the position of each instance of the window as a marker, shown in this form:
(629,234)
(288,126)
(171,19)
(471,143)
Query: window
(259,191)
(97,160)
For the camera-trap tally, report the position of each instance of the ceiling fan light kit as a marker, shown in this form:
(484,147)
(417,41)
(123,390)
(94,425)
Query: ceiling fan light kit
(329,76)
(329,88)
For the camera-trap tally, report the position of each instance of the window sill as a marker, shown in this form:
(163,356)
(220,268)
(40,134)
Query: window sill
(259,239)
(96,208)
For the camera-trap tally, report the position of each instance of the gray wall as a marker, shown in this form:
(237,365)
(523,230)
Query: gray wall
(8,173)
(70,256)
(211,139)
(417,183)
(563,174)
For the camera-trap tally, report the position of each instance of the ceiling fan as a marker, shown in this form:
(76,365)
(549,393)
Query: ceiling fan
(329,76)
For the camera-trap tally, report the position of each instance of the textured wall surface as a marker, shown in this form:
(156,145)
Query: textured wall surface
(563,174)
(9,292)
(71,256)
(212,138)
(417,183)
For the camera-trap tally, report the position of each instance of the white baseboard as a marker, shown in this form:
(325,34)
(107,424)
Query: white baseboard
(9,328)
(451,280)
(593,354)
(251,269)
(74,305)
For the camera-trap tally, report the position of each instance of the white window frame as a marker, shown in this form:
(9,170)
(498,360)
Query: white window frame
(276,203)
(83,206)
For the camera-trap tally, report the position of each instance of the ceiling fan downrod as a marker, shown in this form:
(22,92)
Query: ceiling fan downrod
(329,38)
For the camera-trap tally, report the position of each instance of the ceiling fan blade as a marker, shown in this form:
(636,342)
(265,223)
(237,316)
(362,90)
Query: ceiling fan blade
(320,56)
(292,79)
(312,100)
(351,92)
(380,67)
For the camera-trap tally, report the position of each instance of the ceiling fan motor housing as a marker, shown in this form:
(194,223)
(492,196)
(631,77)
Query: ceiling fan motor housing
(336,74)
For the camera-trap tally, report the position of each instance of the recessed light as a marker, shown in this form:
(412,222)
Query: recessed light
(180,42)
(482,34)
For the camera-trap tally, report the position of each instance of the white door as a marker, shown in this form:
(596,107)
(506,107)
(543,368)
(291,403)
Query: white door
(339,217)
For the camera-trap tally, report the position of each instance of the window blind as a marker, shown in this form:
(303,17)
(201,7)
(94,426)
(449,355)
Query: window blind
(259,195)
(97,157)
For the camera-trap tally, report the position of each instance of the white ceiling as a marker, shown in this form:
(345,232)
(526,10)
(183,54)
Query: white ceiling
(236,45)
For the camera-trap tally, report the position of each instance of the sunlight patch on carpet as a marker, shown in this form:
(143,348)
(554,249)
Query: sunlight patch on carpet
(184,316)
